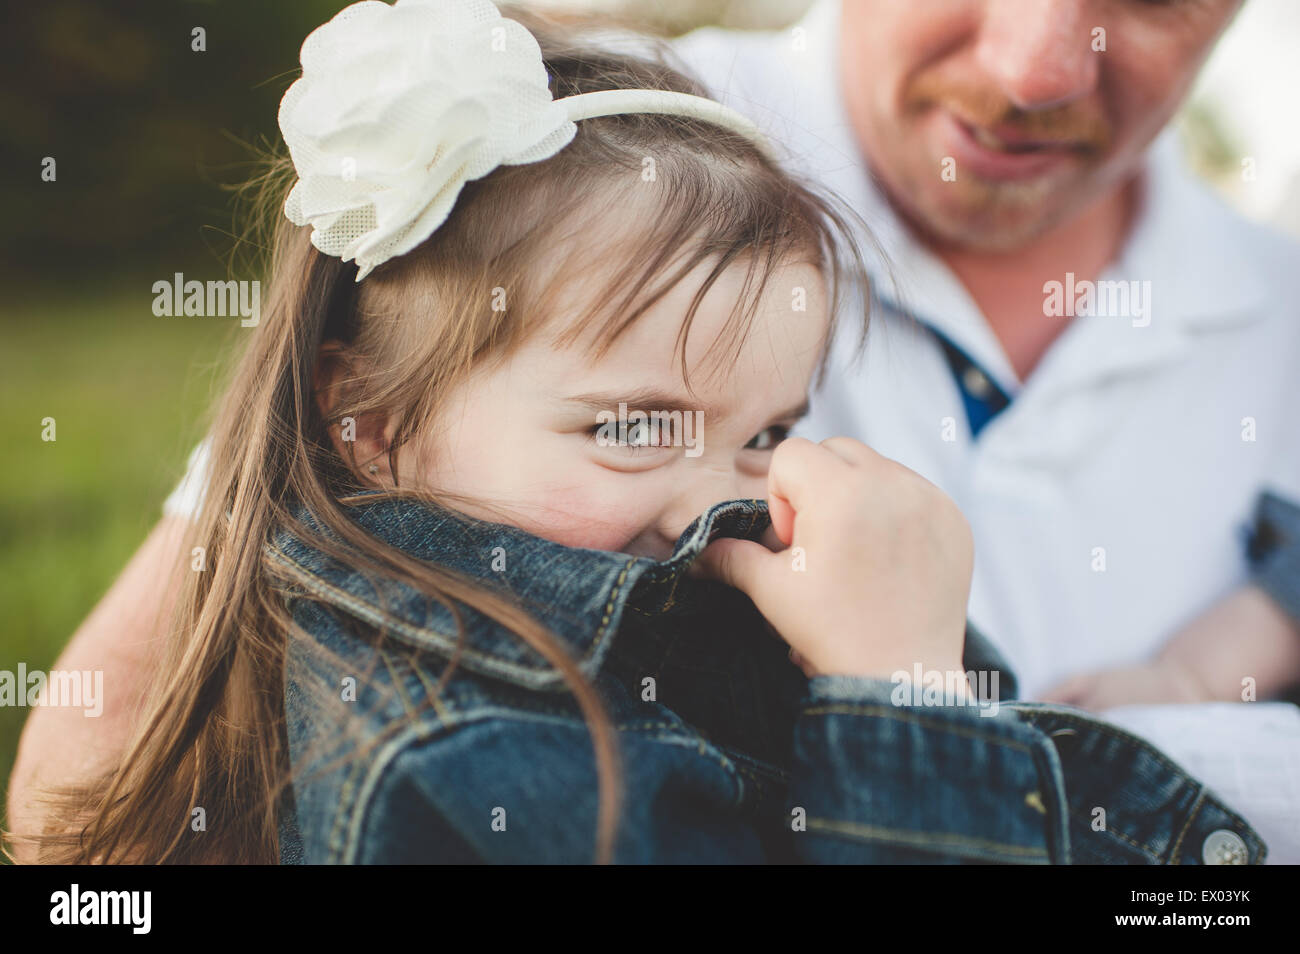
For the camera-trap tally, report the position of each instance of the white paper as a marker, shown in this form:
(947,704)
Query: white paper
(1248,753)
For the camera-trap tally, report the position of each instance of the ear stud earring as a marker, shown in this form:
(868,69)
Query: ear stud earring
(374,469)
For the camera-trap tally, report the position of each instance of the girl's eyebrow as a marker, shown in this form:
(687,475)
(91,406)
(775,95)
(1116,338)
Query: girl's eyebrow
(653,399)
(645,399)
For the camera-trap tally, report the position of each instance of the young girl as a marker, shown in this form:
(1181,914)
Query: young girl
(516,394)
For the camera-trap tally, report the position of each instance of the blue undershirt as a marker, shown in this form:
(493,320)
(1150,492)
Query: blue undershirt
(982,398)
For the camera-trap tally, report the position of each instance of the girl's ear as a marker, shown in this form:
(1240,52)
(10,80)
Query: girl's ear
(364,437)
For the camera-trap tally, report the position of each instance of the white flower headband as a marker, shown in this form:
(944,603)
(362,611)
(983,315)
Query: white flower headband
(399,106)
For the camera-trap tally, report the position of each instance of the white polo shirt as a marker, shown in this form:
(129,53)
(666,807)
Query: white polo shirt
(1108,500)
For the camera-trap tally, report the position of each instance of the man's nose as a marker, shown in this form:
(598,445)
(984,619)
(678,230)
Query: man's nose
(1040,52)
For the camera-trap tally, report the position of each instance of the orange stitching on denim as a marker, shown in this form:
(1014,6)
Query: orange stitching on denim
(364,609)
(1036,715)
(431,692)
(1191,816)
(613,594)
(921,839)
(407,703)
(891,713)
(1135,845)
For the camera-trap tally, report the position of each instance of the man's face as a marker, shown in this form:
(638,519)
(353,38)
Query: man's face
(1033,108)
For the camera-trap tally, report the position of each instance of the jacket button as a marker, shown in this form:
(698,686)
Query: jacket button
(1224,847)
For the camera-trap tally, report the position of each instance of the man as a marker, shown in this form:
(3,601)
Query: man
(1105,460)
(1072,337)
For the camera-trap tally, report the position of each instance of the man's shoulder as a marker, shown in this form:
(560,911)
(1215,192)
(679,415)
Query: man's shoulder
(1275,251)
(736,66)
(1211,218)
(1272,258)
(1217,264)
(717,46)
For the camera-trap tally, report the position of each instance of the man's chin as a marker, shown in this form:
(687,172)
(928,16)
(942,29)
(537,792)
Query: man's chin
(994,218)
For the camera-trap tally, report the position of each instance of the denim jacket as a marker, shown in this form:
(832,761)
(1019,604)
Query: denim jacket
(727,752)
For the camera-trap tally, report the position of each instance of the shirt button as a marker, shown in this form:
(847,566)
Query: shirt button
(976,382)
(1224,847)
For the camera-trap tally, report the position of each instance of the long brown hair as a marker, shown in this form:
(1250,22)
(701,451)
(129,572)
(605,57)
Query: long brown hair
(212,731)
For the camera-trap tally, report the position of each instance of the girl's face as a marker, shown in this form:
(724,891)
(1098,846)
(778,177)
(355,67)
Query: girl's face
(536,440)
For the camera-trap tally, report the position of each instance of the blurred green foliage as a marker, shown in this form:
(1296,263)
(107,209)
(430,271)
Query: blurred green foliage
(147,133)
(127,392)
(143,128)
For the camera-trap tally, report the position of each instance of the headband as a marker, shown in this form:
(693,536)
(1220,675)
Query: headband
(399,106)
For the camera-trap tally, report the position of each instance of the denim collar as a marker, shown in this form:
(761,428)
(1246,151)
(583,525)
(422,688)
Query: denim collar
(581,595)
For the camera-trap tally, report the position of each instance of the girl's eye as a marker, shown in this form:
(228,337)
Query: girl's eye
(768,437)
(638,435)
(631,436)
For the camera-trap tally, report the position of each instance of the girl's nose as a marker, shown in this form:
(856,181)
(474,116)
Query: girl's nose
(708,486)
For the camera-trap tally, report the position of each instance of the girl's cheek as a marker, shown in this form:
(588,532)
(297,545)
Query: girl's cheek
(547,488)
(585,517)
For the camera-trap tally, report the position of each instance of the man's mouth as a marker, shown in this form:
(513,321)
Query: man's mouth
(1008,139)
(1002,152)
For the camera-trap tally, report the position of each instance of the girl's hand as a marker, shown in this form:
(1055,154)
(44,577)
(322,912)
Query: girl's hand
(877,567)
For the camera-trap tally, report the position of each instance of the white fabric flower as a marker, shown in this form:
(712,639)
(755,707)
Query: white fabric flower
(397,108)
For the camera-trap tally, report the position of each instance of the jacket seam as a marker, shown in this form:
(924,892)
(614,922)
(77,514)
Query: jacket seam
(357,809)
(1105,729)
(393,671)
(347,811)
(876,833)
(1192,813)
(1121,736)
(360,813)
(936,724)
(1143,849)
(431,692)
(522,674)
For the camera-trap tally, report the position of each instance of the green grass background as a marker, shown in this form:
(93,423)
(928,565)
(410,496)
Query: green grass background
(128,392)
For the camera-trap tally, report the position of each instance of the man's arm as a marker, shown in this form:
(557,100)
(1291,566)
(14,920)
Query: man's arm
(1252,632)
(121,638)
